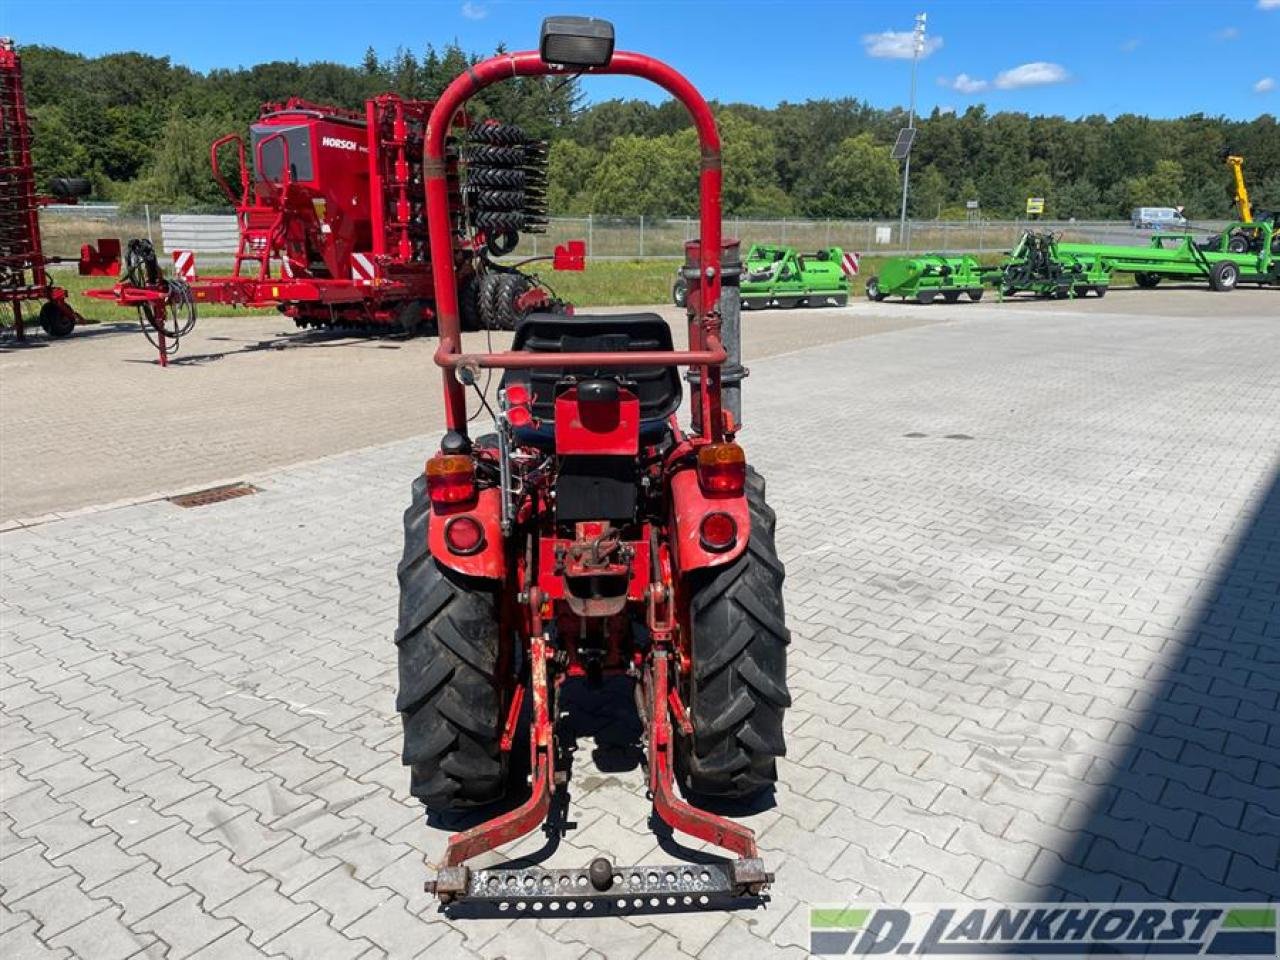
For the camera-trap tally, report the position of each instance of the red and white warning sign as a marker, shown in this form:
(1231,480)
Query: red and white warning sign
(849,264)
(363,269)
(184,264)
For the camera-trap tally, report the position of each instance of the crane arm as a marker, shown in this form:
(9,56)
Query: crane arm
(1241,191)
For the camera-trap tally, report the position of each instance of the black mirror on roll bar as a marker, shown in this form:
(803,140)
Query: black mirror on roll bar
(576,42)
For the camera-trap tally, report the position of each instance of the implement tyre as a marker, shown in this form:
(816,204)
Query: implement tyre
(1224,276)
(451,698)
(56,320)
(738,689)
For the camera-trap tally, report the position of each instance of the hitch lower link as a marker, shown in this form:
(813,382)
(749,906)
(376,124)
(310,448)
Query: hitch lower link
(602,886)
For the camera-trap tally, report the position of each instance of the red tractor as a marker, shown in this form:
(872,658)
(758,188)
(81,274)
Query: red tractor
(590,536)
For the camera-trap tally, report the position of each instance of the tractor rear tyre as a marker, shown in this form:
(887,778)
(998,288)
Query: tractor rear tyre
(56,321)
(451,696)
(1147,281)
(1224,276)
(1238,243)
(738,688)
(873,289)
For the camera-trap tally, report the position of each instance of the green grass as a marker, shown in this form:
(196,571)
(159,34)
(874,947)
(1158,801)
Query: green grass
(604,283)
(623,282)
(615,283)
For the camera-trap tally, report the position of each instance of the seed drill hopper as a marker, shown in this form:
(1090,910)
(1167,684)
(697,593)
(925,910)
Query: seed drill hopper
(591,536)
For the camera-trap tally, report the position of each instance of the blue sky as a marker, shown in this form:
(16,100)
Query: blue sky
(1071,57)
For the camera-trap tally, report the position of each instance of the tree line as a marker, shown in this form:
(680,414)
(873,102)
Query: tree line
(140,128)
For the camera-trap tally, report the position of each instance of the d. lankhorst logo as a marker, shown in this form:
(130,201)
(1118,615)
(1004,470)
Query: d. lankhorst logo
(1046,929)
(339,143)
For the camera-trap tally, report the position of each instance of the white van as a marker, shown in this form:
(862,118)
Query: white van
(1157,218)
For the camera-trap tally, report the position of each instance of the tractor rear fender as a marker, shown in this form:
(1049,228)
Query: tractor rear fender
(490,559)
(689,505)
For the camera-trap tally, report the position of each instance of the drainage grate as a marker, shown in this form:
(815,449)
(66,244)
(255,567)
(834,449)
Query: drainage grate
(228,491)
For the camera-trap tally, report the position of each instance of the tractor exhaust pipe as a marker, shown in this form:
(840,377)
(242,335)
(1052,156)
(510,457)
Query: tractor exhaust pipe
(732,372)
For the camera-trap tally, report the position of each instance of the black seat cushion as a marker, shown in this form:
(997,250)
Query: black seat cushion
(657,387)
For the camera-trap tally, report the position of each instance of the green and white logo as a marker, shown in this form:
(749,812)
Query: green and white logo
(1045,929)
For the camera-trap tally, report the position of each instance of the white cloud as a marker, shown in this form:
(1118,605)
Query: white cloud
(1130,45)
(1265,85)
(1269,4)
(947,109)
(1037,74)
(474,11)
(963,83)
(898,45)
(1226,33)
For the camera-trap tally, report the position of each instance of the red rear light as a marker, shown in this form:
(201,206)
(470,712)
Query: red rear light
(518,399)
(718,532)
(451,478)
(464,535)
(722,469)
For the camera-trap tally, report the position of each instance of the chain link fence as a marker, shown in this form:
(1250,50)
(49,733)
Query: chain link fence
(630,238)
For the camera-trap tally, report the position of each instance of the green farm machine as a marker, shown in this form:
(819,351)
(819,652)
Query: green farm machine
(1037,265)
(926,278)
(1044,266)
(1179,257)
(1040,265)
(780,277)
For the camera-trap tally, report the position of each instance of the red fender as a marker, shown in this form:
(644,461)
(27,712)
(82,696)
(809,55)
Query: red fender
(688,506)
(490,560)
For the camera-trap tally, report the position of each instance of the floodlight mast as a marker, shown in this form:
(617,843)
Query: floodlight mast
(917,48)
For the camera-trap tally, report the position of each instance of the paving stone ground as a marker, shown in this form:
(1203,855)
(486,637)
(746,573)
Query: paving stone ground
(1034,587)
(252,394)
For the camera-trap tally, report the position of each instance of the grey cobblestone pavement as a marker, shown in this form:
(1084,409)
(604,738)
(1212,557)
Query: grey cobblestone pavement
(1034,586)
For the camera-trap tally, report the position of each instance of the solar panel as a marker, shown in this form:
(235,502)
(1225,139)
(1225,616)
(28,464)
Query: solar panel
(906,136)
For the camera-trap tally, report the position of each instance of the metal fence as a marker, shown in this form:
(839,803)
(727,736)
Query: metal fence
(619,238)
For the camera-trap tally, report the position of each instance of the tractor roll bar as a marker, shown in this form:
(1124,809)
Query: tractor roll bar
(706,350)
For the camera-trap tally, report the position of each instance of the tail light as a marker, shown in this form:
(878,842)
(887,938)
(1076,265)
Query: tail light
(718,532)
(451,478)
(517,400)
(464,535)
(722,469)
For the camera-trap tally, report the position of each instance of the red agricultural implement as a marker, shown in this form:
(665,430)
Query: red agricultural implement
(24,276)
(591,536)
(332,223)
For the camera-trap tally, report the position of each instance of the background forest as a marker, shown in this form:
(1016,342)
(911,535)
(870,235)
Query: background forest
(140,127)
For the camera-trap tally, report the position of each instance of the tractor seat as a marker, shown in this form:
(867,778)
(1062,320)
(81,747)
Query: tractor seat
(657,387)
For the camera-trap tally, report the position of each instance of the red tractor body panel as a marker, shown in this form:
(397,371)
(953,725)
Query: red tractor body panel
(600,428)
(490,560)
(689,506)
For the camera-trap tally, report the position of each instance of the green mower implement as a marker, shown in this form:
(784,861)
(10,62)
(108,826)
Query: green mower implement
(1038,265)
(1179,257)
(779,277)
(926,278)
